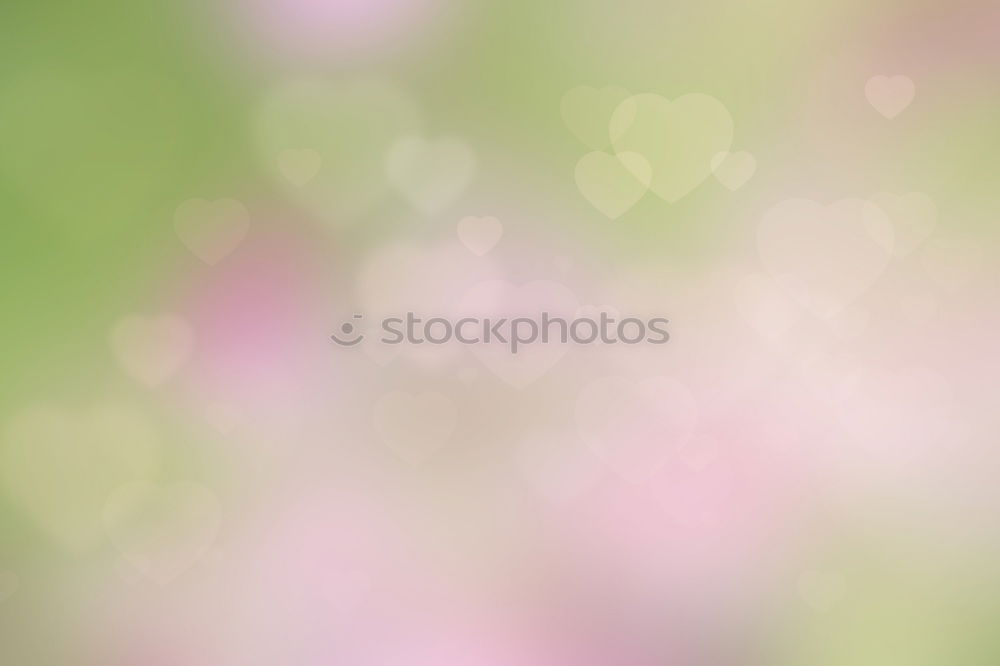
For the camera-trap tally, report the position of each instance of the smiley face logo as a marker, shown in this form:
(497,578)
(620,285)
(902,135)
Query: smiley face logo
(348,330)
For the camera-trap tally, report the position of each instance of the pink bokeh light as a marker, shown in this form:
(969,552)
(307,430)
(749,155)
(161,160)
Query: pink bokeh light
(336,29)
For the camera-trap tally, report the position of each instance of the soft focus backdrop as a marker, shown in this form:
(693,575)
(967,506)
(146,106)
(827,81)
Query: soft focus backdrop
(195,195)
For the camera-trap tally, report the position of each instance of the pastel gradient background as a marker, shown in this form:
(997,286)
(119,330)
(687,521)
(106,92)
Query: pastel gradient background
(195,195)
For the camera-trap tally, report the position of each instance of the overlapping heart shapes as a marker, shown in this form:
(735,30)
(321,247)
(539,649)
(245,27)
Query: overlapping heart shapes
(662,145)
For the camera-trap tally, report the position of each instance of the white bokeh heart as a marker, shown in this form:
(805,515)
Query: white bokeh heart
(479,234)
(765,306)
(430,174)
(678,138)
(61,465)
(896,417)
(427,280)
(913,217)
(151,349)
(825,257)
(326,141)
(634,426)
(162,530)
(493,300)
(733,170)
(890,95)
(415,426)
(211,230)
(299,166)
(612,183)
